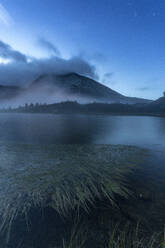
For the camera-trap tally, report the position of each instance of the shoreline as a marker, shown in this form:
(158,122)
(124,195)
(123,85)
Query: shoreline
(81,113)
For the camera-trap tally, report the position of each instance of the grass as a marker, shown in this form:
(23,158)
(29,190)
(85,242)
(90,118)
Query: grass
(64,177)
(129,238)
(125,237)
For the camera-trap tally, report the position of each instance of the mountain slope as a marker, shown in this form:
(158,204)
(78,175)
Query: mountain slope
(80,87)
(53,88)
(9,92)
(157,106)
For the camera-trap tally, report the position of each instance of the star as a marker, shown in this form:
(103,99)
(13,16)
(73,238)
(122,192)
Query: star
(135,14)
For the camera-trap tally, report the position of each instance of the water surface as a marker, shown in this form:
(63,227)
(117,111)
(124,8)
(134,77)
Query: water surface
(83,129)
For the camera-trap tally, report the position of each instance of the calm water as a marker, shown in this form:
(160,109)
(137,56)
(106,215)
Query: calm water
(68,129)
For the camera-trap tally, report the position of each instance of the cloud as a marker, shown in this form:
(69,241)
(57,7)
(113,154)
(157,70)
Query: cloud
(144,88)
(47,45)
(149,84)
(107,77)
(22,70)
(7,52)
(5,18)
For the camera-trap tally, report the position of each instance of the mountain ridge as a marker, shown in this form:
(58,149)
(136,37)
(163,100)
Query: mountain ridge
(71,86)
(82,86)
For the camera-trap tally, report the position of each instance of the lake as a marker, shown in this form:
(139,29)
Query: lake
(83,129)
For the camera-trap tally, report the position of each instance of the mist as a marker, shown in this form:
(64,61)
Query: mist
(18,69)
(48,96)
(21,69)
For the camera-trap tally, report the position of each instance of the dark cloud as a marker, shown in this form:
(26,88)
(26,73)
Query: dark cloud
(22,70)
(149,84)
(7,52)
(107,78)
(144,88)
(108,75)
(47,45)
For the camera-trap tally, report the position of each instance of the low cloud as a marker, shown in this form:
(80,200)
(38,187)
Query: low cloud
(22,70)
(47,45)
(7,52)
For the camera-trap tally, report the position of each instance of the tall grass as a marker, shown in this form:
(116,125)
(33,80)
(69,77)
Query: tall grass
(64,177)
(127,237)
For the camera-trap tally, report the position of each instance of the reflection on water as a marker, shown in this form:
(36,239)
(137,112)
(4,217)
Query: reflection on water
(82,129)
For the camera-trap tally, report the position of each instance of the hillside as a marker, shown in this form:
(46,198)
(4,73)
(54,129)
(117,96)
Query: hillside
(52,88)
(9,92)
(77,87)
(157,106)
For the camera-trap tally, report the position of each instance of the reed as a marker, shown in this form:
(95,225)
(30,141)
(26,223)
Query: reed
(64,177)
(125,237)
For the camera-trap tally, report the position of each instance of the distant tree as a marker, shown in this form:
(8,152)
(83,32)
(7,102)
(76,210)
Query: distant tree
(37,104)
(26,105)
(31,105)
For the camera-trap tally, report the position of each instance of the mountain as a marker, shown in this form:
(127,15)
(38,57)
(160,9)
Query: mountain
(77,87)
(158,102)
(9,92)
(52,88)
(157,106)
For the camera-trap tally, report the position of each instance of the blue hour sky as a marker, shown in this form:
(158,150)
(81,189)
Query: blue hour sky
(123,39)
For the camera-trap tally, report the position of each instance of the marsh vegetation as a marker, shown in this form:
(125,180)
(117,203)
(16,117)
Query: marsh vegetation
(74,196)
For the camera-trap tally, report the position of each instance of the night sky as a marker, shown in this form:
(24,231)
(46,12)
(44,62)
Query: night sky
(123,42)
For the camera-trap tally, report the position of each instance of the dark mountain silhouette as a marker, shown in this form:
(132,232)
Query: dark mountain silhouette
(72,87)
(157,106)
(9,92)
(80,87)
